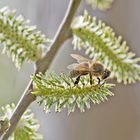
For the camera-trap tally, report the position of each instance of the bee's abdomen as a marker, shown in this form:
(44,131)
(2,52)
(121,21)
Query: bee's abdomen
(75,73)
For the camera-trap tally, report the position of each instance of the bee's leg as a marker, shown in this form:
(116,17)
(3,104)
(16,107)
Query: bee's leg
(90,78)
(103,82)
(98,80)
(77,80)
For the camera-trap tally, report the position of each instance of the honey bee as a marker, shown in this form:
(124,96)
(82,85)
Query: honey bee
(86,66)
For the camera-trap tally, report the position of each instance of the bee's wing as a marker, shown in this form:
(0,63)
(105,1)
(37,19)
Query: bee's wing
(72,66)
(80,67)
(74,70)
(80,58)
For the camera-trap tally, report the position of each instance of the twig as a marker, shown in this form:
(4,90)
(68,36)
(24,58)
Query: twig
(42,65)
(63,33)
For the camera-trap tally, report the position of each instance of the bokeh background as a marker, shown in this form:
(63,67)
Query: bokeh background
(117,119)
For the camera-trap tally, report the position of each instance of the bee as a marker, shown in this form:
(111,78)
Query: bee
(86,66)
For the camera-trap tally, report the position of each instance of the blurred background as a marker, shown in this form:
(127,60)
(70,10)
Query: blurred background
(117,119)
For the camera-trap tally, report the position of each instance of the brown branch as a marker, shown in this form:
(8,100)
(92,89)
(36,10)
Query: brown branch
(63,33)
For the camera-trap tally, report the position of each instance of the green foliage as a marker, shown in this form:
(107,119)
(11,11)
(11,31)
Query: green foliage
(21,41)
(27,127)
(99,41)
(59,91)
(4,124)
(100,4)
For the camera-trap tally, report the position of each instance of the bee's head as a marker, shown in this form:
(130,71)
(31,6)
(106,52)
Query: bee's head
(106,74)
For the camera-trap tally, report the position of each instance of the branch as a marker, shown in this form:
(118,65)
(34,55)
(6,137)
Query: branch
(42,65)
(64,32)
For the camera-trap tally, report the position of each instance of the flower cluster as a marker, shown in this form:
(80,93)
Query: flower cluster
(21,41)
(59,91)
(27,128)
(99,42)
(100,4)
